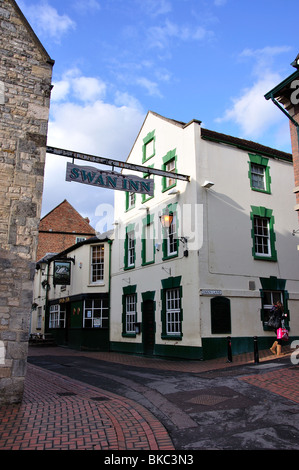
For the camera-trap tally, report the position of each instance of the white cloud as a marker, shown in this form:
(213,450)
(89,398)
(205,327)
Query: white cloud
(150,86)
(159,36)
(97,128)
(86,89)
(46,20)
(250,111)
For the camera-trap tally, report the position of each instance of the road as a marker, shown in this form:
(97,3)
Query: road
(239,407)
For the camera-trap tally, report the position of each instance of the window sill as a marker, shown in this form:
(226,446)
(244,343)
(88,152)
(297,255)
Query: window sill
(173,337)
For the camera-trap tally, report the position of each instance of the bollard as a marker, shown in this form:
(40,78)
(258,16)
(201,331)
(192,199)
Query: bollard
(229,350)
(256,350)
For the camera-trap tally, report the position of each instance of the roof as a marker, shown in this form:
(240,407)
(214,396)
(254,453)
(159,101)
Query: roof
(243,144)
(32,33)
(99,238)
(65,219)
(283,87)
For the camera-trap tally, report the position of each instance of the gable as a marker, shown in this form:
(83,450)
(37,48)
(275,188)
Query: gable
(65,219)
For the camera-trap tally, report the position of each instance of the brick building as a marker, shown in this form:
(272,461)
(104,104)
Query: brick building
(286,97)
(25,88)
(61,228)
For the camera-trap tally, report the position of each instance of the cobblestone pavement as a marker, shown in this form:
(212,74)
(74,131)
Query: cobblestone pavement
(60,413)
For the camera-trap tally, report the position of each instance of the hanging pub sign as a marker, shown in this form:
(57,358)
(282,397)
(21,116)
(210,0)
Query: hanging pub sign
(108,179)
(62,273)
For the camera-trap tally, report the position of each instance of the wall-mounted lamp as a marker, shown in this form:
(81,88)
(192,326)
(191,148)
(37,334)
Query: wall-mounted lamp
(207,184)
(166,219)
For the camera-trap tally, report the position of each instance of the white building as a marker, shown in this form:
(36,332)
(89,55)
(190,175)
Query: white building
(227,256)
(72,295)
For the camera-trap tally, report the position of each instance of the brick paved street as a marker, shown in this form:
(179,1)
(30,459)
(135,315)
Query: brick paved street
(60,413)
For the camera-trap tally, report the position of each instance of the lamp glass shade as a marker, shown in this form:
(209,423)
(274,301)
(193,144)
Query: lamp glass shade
(166,220)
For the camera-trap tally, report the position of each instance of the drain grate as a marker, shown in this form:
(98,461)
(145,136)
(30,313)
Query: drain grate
(207,400)
(66,394)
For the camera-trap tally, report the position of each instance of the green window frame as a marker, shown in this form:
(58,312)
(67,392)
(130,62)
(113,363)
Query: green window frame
(149,142)
(129,311)
(130,200)
(145,197)
(170,243)
(130,247)
(146,241)
(259,174)
(262,234)
(172,312)
(170,159)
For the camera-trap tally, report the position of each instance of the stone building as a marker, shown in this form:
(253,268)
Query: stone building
(25,87)
(61,228)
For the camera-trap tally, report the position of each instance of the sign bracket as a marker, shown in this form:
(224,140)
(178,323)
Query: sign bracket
(115,163)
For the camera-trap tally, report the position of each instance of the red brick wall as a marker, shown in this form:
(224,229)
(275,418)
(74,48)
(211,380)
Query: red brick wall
(59,228)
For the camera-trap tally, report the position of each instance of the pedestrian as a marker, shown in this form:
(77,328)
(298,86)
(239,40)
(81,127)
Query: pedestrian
(276,320)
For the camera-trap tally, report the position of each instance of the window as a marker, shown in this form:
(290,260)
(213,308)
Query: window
(170,238)
(95,313)
(97,263)
(145,197)
(259,173)
(130,200)
(269,298)
(129,259)
(148,148)
(273,289)
(57,316)
(169,164)
(80,239)
(258,176)
(263,234)
(173,312)
(130,313)
(148,241)
(39,318)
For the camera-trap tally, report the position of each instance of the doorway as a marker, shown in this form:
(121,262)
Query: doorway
(148,326)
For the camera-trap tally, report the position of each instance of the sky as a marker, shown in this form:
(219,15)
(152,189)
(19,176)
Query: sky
(210,60)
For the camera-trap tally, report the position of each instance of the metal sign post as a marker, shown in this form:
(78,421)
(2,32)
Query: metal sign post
(115,163)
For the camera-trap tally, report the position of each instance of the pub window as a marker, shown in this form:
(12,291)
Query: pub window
(57,316)
(95,313)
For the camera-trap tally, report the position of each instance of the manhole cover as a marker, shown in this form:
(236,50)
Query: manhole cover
(207,400)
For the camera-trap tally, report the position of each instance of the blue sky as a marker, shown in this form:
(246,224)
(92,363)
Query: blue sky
(211,60)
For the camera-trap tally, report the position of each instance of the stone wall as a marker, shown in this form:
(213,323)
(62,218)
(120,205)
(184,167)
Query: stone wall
(25,86)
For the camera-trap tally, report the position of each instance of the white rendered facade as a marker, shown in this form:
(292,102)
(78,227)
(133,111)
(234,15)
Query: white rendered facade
(234,249)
